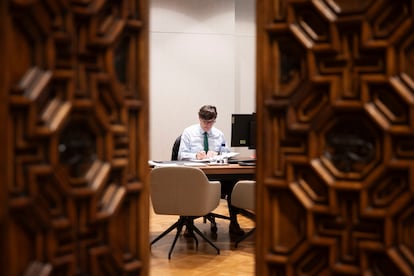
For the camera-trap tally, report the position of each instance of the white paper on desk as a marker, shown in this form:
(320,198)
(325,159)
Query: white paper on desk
(195,164)
(200,160)
(216,158)
(228,154)
(217,164)
(158,164)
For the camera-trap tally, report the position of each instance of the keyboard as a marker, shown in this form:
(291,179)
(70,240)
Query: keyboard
(244,160)
(247,163)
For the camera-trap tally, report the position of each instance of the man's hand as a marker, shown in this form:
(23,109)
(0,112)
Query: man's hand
(201,155)
(211,154)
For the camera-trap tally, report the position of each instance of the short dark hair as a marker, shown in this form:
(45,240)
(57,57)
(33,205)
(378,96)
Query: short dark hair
(207,112)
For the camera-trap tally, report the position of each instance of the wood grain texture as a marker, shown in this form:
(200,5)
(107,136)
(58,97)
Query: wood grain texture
(334,157)
(186,259)
(75,124)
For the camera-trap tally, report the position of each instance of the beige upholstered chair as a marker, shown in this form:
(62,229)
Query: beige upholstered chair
(211,216)
(243,197)
(185,192)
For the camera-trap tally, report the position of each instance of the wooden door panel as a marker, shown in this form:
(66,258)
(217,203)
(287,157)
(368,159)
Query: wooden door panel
(335,91)
(77,137)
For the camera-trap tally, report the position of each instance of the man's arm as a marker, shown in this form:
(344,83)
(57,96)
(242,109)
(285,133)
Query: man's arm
(184,153)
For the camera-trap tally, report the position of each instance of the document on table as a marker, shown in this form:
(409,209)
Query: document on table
(153,163)
(229,154)
(224,155)
(161,164)
(194,164)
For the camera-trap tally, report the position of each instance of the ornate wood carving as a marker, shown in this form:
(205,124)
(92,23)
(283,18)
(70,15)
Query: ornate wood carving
(77,127)
(335,158)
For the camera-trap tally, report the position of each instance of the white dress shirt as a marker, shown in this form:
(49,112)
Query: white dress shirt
(192,141)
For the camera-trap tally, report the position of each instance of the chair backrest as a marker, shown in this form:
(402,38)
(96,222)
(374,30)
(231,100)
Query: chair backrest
(175,148)
(243,194)
(184,191)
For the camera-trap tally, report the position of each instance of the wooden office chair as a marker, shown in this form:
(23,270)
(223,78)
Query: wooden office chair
(211,216)
(187,193)
(243,197)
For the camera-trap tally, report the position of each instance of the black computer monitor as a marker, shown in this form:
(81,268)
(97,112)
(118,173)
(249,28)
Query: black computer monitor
(243,130)
(252,144)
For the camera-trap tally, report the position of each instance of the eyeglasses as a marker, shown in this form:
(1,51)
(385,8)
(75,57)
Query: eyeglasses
(208,122)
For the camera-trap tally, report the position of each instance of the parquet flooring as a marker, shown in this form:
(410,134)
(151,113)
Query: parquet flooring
(186,259)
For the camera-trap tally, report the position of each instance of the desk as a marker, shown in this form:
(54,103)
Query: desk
(230,172)
(227,173)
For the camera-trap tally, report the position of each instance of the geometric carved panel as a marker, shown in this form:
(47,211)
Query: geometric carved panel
(335,94)
(351,146)
(78,114)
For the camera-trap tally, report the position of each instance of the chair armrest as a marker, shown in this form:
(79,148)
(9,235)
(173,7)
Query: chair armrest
(243,194)
(214,192)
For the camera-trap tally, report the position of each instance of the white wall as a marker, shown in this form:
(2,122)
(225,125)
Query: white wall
(201,52)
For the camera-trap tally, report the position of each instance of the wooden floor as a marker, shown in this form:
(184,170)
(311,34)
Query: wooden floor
(186,259)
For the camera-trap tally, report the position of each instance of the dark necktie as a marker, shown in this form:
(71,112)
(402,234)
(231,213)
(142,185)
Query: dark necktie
(205,142)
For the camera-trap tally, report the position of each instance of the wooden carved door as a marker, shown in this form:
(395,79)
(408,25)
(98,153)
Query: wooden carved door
(335,103)
(74,138)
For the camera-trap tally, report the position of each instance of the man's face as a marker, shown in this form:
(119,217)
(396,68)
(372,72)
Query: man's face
(206,125)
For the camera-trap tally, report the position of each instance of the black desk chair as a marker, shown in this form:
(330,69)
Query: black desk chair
(211,216)
(175,148)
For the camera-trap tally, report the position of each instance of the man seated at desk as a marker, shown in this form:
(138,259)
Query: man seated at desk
(203,141)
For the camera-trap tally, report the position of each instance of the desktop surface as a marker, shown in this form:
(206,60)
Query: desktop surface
(223,172)
(242,161)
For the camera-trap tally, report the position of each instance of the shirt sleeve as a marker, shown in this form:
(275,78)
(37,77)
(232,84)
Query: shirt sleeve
(218,139)
(185,152)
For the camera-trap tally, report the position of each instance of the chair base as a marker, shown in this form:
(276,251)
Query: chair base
(251,216)
(236,244)
(212,218)
(188,222)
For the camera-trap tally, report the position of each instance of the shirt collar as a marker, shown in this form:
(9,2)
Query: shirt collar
(202,130)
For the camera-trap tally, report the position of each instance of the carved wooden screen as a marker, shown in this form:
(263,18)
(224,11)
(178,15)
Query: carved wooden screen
(336,137)
(74,100)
